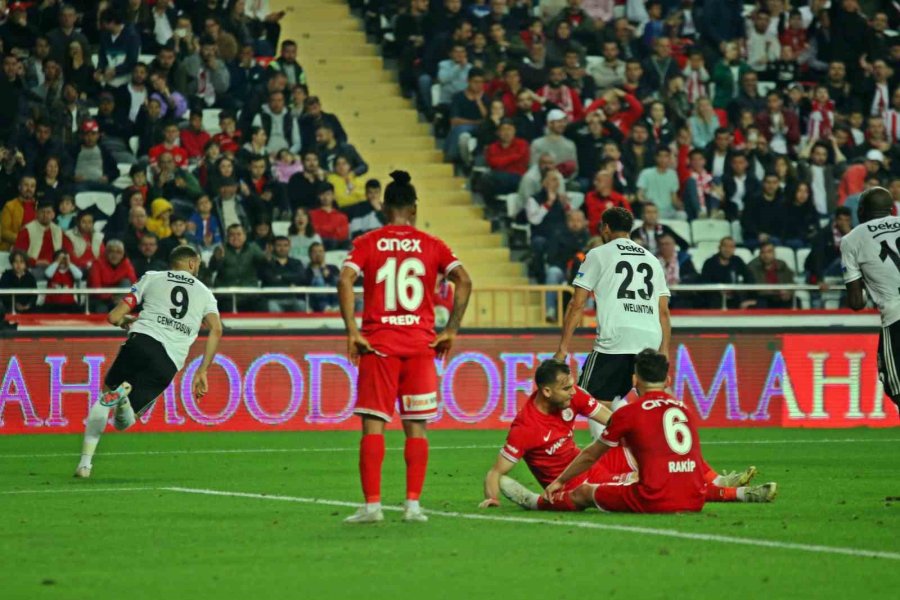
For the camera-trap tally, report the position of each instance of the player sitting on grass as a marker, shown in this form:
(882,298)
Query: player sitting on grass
(542,435)
(175,303)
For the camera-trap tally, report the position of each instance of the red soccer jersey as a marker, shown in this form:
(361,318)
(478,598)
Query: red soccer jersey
(400,266)
(545,441)
(657,430)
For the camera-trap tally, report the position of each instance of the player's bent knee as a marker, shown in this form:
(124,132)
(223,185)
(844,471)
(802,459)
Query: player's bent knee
(583,496)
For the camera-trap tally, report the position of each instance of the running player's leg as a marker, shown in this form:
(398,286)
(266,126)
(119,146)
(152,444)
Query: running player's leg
(418,404)
(377,386)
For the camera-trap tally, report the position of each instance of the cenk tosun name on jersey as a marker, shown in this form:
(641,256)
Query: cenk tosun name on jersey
(395,245)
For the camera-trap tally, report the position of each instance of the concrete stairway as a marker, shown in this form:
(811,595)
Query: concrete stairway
(349,76)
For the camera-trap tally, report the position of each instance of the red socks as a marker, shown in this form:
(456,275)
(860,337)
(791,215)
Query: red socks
(709,475)
(561,501)
(371,455)
(416,455)
(715,493)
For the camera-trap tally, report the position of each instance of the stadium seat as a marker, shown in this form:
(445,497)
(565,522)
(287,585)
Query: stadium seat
(335,257)
(802,255)
(590,61)
(737,232)
(576,199)
(435,94)
(93,111)
(682,228)
(514,204)
(105,201)
(709,230)
(788,256)
(700,255)
(280,227)
(124,179)
(134,143)
(99,225)
(708,246)
(745,253)
(211,120)
(4,261)
(146,58)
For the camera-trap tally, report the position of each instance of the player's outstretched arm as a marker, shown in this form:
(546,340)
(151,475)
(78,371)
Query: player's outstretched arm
(462,290)
(356,343)
(855,297)
(574,312)
(492,481)
(582,463)
(120,316)
(214,324)
(665,323)
(603,414)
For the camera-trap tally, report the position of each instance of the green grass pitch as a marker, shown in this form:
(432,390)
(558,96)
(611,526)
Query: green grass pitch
(127,534)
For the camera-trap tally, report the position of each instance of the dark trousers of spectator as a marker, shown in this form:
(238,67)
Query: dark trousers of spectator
(336,244)
(245,303)
(451,144)
(497,183)
(424,84)
(538,266)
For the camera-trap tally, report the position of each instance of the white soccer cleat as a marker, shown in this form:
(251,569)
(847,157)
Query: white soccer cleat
(414,515)
(364,515)
(736,478)
(83,473)
(518,493)
(761,493)
(115,397)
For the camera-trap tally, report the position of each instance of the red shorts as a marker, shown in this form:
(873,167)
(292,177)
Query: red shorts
(613,467)
(385,380)
(624,497)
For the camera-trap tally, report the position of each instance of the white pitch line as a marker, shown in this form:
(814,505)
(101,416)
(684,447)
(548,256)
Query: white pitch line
(439,448)
(78,490)
(671,533)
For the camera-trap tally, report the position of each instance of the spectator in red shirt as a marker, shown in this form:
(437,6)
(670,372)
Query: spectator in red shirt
(111,270)
(330,223)
(602,197)
(62,274)
(41,238)
(229,139)
(193,137)
(621,108)
(87,244)
(508,159)
(171,139)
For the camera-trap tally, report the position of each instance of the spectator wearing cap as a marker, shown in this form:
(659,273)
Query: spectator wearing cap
(853,180)
(41,238)
(329,149)
(553,142)
(18,212)
(87,244)
(287,63)
(330,223)
(120,46)
(284,271)
(303,187)
(112,270)
(367,216)
(229,206)
(148,259)
(193,137)
(115,129)
(131,97)
(313,118)
(467,110)
(171,144)
(62,37)
(276,119)
(508,159)
(203,77)
(93,167)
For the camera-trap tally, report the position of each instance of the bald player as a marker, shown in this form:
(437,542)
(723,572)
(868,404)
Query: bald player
(870,259)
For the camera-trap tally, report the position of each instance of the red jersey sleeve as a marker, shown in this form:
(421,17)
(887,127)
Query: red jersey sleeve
(446,260)
(517,443)
(584,404)
(358,256)
(619,426)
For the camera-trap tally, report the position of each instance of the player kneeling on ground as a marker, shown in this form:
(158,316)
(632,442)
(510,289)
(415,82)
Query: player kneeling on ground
(542,435)
(175,303)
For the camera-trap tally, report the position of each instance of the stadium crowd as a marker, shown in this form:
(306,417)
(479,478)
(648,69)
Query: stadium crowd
(726,128)
(129,127)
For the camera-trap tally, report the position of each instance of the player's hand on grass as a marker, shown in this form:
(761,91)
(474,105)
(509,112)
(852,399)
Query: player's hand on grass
(489,503)
(443,343)
(357,345)
(550,490)
(201,386)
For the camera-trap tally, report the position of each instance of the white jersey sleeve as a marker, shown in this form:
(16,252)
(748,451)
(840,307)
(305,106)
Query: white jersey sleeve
(174,306)
(849,260)
(871,252)
(588,275)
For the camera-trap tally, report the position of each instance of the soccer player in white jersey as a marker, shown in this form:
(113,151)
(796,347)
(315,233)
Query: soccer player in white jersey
(175,304)
(632,299)
(870,258)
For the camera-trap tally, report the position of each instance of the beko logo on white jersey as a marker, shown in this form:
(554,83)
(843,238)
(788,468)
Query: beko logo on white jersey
(886,226)
(394,245)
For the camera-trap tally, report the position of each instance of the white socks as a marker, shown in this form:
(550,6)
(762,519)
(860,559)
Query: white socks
(124,416)
(373,506)
(96,423)
(741,496)
(413,505)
